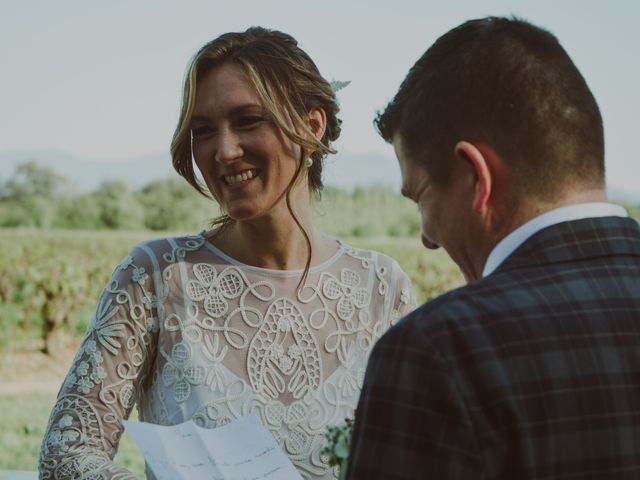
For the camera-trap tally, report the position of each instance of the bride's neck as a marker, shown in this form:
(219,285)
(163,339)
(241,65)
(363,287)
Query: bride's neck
(275,241)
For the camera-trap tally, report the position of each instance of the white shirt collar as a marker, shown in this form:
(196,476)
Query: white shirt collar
(508,244)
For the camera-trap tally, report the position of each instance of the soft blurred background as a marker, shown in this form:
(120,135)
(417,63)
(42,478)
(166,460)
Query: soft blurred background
(89,97)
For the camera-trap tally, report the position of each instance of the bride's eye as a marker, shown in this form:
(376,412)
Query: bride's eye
(248,121)
(201,131)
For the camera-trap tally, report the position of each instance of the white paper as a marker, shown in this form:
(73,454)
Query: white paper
(240,450)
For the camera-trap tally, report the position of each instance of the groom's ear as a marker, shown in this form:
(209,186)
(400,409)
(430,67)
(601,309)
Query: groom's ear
(486,177)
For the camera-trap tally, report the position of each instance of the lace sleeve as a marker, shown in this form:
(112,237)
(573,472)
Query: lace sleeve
(405,301)
(105,378)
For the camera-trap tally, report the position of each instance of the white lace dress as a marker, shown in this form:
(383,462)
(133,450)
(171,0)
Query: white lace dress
(185,332)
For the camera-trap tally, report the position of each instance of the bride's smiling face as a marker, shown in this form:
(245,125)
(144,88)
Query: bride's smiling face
(245,159)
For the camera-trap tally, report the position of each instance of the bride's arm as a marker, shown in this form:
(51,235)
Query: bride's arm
(105,378)
(405,298)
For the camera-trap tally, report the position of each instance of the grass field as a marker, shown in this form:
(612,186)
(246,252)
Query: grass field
(23,419)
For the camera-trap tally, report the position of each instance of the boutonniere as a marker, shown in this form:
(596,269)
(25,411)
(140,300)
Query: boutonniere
(338,444)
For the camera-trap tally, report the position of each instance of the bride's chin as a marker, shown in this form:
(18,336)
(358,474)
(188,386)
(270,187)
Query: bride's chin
(242,213)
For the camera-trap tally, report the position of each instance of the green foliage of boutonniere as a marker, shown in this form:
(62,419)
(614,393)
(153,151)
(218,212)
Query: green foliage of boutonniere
(338,444)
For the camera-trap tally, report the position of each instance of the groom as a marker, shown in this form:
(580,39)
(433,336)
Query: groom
(532,370)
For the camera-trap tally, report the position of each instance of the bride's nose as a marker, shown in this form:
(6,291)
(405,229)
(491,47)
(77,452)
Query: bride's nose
(228,147)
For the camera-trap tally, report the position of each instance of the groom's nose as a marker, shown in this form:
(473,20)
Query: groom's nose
(429,244)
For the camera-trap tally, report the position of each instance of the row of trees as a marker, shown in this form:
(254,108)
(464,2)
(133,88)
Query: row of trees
(36,196)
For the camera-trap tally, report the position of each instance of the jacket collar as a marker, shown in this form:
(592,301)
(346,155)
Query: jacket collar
(574,240)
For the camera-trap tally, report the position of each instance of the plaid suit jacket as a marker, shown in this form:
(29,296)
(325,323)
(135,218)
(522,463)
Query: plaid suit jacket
(530,373)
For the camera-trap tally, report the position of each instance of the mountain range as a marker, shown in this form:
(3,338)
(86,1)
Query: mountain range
(343,170)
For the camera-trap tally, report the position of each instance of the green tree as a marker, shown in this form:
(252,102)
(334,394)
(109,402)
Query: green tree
(119,207)
(31,179)
(78,212)
(172,204)
(27,199)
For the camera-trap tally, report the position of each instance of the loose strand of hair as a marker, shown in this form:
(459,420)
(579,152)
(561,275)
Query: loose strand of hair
(310,142)
(307,239)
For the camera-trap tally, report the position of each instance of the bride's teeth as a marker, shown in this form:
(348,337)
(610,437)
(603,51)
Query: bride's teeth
(240,177)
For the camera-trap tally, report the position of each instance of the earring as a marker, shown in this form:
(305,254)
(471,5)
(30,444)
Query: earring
(309,162)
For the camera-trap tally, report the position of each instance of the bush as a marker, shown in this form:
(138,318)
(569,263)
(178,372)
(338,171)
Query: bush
(119,207)
(173,204)
(81,212)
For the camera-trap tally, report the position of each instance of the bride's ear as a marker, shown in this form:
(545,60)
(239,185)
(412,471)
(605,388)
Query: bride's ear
(317,122)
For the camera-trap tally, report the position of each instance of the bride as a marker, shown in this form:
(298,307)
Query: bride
(264,313)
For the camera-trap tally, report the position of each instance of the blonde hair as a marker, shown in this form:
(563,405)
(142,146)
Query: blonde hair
(289,86)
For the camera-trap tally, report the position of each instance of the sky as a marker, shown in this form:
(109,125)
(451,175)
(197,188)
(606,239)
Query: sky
(102,80)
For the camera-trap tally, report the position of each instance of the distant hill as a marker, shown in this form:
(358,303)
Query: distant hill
(348,171)
(87,175)
(343,170)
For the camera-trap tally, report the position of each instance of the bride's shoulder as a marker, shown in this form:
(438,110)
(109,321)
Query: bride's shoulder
(393,281)
(370,257)
(159,252)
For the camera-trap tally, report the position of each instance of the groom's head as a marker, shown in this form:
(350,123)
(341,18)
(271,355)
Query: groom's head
(492,121)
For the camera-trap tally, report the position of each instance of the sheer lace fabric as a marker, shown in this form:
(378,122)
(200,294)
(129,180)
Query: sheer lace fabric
(186,332)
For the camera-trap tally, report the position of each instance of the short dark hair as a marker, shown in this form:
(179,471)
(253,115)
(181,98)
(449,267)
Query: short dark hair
(510,84)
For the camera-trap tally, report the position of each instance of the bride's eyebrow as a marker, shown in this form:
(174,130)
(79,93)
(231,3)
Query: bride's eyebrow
(254,108)
(235,111)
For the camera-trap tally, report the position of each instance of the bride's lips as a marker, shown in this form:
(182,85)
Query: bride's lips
(240,178)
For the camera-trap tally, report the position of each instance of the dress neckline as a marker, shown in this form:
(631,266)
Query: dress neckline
(272,271)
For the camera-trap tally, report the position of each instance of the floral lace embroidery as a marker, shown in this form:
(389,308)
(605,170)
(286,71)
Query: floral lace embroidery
(180,374)
(214,289)
(349,293)
(268,364)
